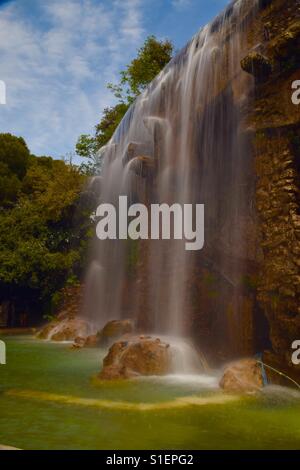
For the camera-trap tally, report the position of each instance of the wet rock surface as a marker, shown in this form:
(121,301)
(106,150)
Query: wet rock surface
(242,376)
(65,330)
(275,119)
(137,356)
(67,324)
(113,330)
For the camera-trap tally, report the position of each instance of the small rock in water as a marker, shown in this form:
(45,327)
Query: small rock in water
(65,330)
(79,342)
(242,376)
(113,330)
(91,341)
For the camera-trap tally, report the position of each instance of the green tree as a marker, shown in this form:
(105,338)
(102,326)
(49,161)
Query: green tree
(14,157)
(109,122)
(151,59)
(40,245)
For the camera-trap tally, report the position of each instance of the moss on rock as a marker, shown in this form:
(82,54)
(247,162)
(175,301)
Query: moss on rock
(257,65)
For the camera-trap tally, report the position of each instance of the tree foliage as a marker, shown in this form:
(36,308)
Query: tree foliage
(151,59)
(14,156)
(39,245)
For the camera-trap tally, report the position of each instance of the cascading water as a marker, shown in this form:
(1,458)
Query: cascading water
(183,141)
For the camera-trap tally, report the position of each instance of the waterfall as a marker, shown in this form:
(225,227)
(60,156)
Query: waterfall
(184,140)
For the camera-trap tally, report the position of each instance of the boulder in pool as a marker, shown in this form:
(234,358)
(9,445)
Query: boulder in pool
(113,331)
(139,356)
(244,375)
(91,341)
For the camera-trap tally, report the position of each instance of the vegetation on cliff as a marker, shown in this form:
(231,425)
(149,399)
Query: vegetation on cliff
(151,59)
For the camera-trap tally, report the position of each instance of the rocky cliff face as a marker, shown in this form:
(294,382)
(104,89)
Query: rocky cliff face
(268,306)
(276,121)
(267,309)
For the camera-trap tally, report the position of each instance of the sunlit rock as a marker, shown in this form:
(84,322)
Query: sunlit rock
(69,329)
(65,330)
(137,356)
(242,376)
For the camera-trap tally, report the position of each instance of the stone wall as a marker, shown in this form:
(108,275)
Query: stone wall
(276,121)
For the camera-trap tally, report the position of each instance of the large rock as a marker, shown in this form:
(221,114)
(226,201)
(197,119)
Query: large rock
(257,65)
(65,330)
(137,356)
(242,376)
(67,323)
(91,341)
(113,331)
(45,332)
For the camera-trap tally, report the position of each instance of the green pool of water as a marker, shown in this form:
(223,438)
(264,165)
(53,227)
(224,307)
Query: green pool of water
(49,401)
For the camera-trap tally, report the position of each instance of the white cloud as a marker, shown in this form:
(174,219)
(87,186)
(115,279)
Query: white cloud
(131,22)
(180,4)
(56,63)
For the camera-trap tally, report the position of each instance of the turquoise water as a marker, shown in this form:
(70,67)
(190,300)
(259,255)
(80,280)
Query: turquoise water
(49,400)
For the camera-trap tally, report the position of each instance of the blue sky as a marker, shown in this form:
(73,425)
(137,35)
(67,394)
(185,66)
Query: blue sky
(56,57)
